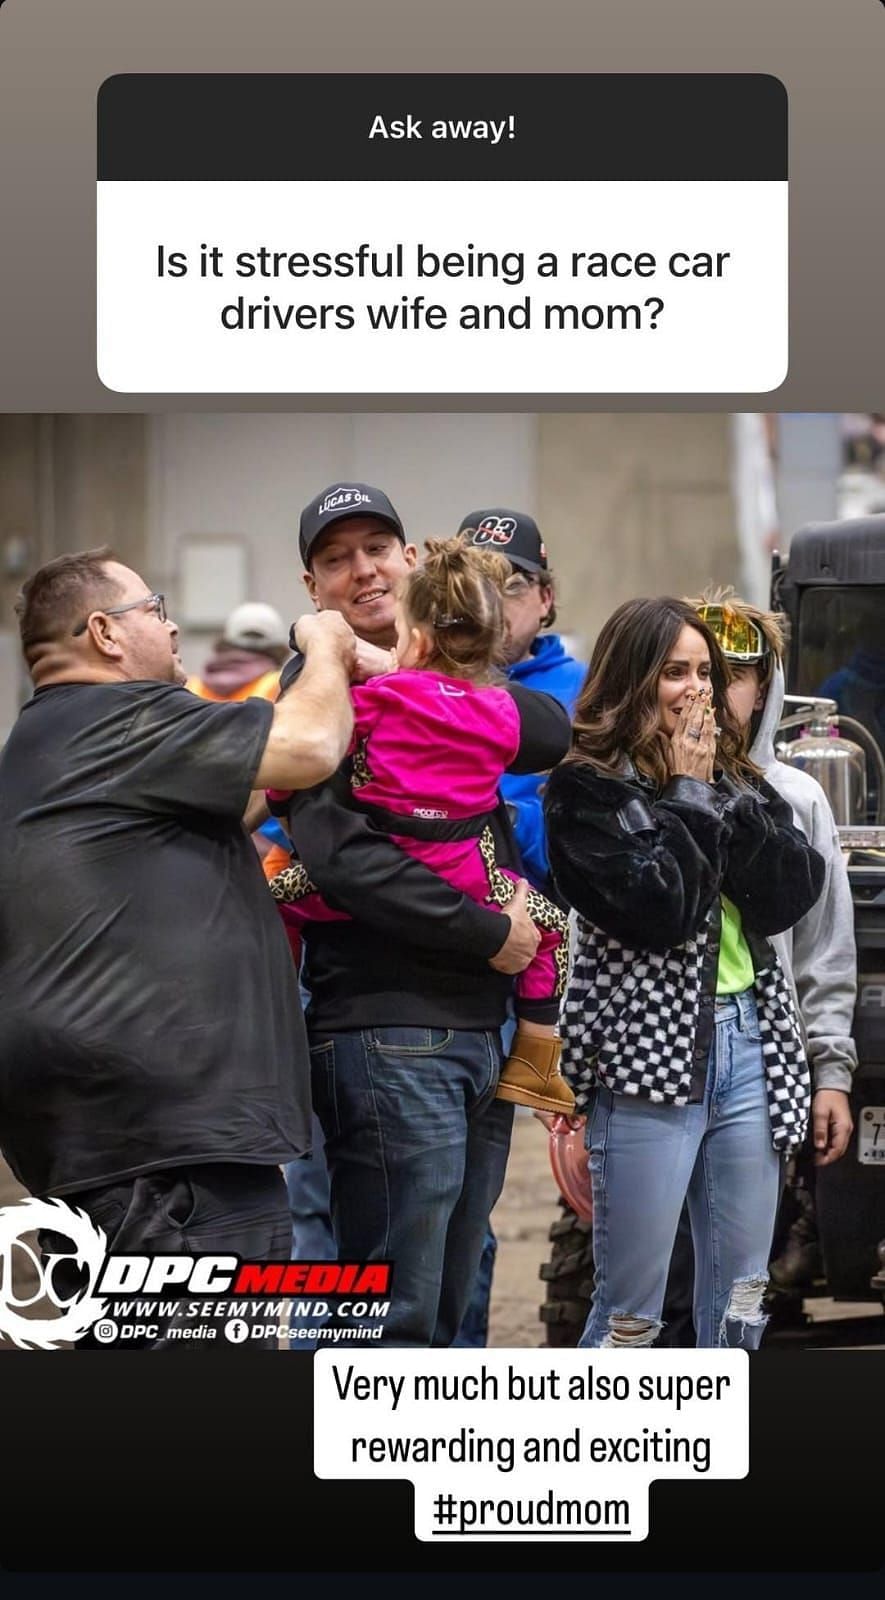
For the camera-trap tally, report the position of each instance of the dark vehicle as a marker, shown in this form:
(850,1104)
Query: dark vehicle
(830,1239)
(833,590)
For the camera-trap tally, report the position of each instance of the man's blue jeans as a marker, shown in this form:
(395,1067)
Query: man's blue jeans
(416,1146)
(646,1158)
(473,1333)
(307,1181)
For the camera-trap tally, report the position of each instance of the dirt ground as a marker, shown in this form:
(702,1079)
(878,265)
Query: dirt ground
(521,1221)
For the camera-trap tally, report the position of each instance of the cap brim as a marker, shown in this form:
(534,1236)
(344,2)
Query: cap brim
(258,646)
(522,565)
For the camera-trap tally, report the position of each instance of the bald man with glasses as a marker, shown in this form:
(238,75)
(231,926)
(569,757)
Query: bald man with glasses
(153,1063)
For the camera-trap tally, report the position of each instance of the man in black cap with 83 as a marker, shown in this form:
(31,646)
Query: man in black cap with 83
(407,998)
(536,658)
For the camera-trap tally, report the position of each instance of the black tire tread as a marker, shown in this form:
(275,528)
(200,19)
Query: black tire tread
(568,1274)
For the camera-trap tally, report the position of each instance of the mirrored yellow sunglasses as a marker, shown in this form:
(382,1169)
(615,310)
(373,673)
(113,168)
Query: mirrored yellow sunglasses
(740,639)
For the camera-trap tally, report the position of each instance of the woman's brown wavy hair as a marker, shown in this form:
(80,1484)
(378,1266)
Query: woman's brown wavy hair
(617,711)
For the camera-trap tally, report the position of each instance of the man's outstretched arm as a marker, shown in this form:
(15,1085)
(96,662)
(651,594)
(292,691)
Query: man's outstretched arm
(361,871)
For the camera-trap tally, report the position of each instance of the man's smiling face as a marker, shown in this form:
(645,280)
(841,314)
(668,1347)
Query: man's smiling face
(356,567)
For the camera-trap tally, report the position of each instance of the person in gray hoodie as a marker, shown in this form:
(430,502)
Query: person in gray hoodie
(818,954)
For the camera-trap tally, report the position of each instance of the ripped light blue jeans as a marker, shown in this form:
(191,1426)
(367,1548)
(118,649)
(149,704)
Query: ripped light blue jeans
(646,1159)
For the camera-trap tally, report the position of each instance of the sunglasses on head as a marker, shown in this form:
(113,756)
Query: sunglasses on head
(739,638)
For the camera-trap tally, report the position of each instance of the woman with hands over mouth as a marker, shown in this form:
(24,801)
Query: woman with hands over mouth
(680,1037)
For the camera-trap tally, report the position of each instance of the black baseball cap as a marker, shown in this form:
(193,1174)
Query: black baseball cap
(513,534)
(336,504)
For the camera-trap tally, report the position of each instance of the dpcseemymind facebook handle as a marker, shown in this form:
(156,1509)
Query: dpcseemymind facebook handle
(569,233)
(540,1444)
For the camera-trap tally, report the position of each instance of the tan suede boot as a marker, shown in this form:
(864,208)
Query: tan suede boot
(531,1076)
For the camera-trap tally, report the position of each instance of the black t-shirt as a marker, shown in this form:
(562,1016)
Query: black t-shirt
(149,1015)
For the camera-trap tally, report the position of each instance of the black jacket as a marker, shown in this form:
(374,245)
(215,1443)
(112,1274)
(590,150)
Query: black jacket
(647,867)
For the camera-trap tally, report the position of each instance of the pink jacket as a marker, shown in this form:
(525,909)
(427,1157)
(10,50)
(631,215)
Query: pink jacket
(426,745)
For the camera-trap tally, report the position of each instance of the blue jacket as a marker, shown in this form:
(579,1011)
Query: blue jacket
(550,669)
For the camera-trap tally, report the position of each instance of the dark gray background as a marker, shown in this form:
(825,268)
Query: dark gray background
(830,54)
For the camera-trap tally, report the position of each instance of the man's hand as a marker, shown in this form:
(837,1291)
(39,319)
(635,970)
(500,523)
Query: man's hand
(832,1125)
(523,939)
(327,629)
(371,660)
(313,721)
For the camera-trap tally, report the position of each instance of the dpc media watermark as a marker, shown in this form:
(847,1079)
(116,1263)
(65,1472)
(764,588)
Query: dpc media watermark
(230,1291)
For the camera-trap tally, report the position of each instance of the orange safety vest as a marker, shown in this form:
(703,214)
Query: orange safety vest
(267,687)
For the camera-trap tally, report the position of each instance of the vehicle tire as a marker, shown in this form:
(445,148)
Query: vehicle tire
(568,1275)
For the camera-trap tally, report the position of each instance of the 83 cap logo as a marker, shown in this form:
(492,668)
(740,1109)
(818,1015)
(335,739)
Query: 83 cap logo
(494,530)
(81,1310)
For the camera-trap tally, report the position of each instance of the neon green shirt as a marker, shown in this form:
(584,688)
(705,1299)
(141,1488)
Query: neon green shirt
(735,973)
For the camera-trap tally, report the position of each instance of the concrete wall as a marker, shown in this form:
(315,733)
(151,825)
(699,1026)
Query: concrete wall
(66,483)
(629,503)
(634,505)
(249,475)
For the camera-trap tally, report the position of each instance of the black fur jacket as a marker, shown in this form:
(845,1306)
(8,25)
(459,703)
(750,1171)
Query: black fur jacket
(647,866)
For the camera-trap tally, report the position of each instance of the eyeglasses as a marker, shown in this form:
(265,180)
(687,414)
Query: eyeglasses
(153,602)
(519,583)
(740,638)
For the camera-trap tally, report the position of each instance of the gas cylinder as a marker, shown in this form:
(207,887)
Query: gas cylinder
(838,764)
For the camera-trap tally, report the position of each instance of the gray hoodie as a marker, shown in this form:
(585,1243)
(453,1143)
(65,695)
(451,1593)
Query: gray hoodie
(818,954)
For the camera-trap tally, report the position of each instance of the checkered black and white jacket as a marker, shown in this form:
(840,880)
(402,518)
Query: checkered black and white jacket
(645,870)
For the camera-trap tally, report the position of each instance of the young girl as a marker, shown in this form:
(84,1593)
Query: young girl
(431,742)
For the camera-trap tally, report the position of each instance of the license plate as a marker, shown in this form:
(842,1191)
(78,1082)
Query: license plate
(871,1136)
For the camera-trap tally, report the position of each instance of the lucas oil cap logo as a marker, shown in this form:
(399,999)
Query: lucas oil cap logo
(336,498)
(81,1310)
